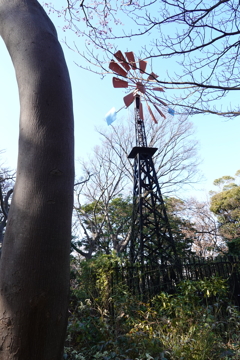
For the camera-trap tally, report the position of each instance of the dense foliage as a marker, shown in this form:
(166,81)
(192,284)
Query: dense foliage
(197,322)
(225,204)
(106,227)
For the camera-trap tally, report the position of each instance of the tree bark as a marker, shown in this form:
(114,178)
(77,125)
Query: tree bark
(34,268)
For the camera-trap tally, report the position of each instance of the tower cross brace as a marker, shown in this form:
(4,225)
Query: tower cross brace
(151,240)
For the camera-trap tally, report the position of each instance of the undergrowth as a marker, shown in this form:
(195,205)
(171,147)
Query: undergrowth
(196,323)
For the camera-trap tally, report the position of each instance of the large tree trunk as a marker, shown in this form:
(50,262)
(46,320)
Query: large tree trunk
(34,268)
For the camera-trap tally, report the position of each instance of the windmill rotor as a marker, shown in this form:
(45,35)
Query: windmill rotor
(130,75)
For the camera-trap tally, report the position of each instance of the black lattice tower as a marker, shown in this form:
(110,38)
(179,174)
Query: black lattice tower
(151,239)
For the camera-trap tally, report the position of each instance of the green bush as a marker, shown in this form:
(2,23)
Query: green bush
(195,323)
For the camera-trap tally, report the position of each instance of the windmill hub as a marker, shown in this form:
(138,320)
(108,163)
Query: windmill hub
(141,87)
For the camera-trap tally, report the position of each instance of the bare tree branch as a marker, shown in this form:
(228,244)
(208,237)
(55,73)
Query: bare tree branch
(202,38)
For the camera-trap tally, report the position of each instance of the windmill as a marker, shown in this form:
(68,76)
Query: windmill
(151,239)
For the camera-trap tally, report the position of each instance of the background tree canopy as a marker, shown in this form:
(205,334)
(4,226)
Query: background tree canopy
(226,205)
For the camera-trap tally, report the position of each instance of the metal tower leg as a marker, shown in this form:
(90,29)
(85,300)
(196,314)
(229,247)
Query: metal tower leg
(151,240)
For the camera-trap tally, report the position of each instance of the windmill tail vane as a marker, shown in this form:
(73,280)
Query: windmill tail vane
(111,115)
(126,66)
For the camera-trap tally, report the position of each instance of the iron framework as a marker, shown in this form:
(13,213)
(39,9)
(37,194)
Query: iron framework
(151,239)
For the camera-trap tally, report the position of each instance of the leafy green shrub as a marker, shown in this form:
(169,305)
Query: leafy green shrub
(107,322)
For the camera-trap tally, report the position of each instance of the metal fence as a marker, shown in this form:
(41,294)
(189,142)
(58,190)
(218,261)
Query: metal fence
(148,280)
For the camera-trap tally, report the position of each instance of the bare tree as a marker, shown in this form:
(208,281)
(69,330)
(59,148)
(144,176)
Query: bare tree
(108,181)
(176,164)
(200,37)
(204,229)
(34,266)
(176,161)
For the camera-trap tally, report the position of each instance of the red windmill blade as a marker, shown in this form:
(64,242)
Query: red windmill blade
(142,66)
(116,68)
(151,113)
(128,99)
(126,66)
(121,59)
(152,76)
(131,59)
(119,83)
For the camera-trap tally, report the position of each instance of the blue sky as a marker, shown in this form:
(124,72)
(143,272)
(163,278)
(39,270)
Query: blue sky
(93,98)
